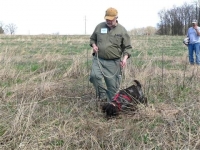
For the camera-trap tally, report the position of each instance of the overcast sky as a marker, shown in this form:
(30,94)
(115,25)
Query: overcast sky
(70,16)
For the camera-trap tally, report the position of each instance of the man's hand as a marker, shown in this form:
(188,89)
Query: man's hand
(195,26)
(95,48)
(123,62)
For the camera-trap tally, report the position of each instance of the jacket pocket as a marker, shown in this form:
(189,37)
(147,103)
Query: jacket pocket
(116,40)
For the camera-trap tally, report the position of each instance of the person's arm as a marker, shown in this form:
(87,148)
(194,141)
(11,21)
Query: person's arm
(198,32)
(126,47)
(126,43)
(93,41)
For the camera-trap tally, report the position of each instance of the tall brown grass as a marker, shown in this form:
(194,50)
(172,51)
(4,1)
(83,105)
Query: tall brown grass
(47,102)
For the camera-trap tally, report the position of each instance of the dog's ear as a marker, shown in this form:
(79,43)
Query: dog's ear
(141,97)
(138,83)
(110,110)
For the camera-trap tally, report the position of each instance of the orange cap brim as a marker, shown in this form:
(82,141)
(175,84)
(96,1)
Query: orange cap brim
(109,17)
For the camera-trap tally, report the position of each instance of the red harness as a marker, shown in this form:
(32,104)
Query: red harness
(117,96)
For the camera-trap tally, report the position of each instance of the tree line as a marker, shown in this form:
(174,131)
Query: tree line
(177,20)
(174,21)
(8,29)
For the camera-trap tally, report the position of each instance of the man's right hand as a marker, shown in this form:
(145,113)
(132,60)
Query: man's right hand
(95,48)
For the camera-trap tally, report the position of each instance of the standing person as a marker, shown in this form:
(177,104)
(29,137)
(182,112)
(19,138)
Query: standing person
(194,42)
(110,43)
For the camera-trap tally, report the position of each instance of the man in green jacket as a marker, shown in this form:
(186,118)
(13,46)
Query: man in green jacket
(110,43)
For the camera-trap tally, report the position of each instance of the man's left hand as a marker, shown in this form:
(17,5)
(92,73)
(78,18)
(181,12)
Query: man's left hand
(123,62)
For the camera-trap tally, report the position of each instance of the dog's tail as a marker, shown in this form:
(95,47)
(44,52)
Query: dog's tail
(142,99)
(138,83)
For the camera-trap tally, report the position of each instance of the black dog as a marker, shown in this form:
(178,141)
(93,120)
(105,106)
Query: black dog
(125,99)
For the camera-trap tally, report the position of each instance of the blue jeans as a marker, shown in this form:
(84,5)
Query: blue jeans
(194,48)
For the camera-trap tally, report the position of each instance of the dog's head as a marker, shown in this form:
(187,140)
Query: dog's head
(110,109)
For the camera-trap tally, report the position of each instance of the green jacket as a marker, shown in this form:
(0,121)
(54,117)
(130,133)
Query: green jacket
(112,44)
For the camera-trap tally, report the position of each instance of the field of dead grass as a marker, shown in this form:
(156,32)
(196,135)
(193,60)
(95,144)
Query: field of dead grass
(46,101)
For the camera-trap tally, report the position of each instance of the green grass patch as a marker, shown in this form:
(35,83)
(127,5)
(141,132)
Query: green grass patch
(2,130)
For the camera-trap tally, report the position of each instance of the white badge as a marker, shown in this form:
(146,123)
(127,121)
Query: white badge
(104,30)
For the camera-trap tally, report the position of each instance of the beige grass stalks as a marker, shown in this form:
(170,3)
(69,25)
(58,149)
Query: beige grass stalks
(52,107)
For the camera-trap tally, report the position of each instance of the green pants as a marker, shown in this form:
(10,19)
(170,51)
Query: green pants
(110,72)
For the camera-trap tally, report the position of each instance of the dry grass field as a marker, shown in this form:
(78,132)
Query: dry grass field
(47,103)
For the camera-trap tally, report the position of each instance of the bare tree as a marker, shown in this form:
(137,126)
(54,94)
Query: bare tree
(1,28)
(176,21)
(11,28)
(188,14)
(163,26)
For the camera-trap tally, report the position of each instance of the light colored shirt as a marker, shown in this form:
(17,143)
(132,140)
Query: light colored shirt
(193,37)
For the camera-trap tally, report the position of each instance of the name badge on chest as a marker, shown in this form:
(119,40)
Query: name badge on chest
(104,30)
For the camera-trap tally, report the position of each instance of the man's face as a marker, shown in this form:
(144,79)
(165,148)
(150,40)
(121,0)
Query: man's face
(111,23)
(194,24)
